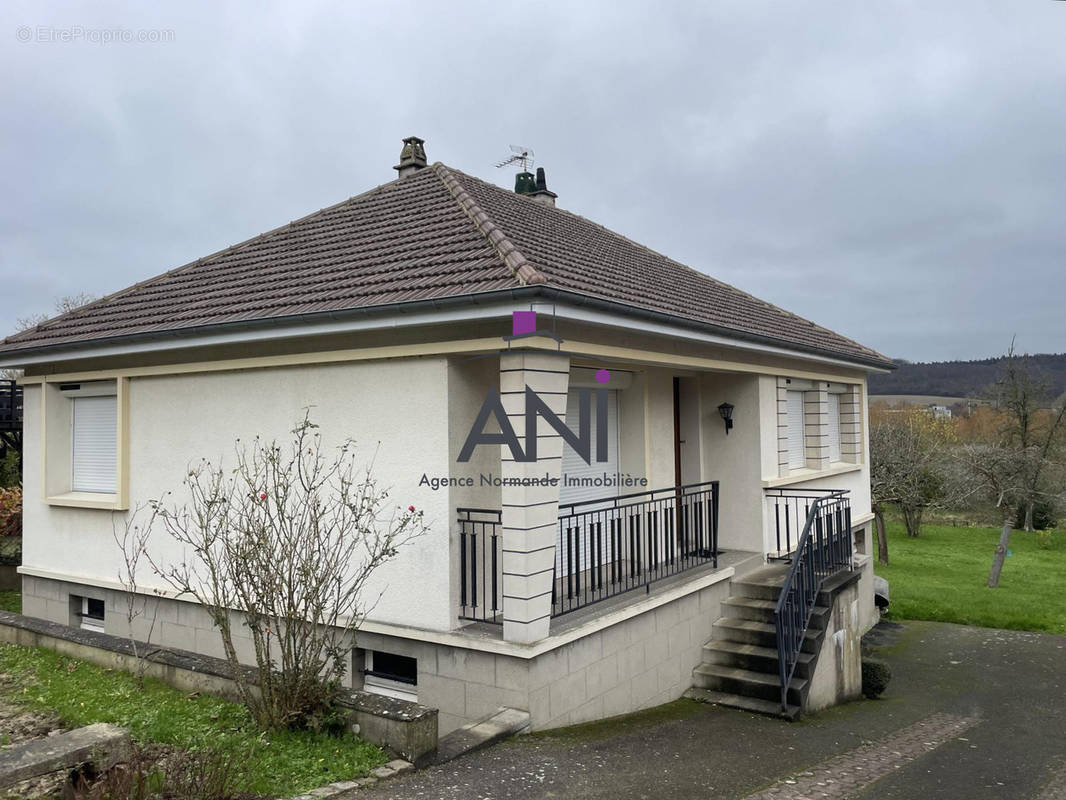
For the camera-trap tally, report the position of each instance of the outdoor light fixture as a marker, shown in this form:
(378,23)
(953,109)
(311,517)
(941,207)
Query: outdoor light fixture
(726,410)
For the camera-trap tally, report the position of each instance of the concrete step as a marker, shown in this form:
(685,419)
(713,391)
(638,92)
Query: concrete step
(764,634)
(502,724)
(746,683)
(752,704)
(763,610)
(101,744)
(762,584)
(752,657)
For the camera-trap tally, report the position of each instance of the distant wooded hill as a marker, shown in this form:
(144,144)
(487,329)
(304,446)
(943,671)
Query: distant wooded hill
(963,378)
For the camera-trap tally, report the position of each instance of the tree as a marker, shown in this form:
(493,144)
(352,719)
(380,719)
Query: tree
(999,471)
(286,542)
(132,543)
(1031,420)
(62,305)
(906,455)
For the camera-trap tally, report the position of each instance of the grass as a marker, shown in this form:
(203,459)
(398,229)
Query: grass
(941,576)
(11,601)
(281,763)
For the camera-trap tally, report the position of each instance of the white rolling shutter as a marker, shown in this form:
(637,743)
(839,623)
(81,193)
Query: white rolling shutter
(797,448)
(95,444)
(834,427)
(574,466)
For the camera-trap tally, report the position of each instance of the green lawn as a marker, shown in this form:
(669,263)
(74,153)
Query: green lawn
(941,575)
(11,601)
(274,764)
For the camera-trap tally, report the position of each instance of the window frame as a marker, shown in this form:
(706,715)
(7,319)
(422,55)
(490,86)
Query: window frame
(385,685)
(88,621)
(57,442)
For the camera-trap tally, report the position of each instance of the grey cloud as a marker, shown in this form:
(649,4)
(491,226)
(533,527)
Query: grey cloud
(893,171)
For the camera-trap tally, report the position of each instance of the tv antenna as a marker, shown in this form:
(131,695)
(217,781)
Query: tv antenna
(519,155)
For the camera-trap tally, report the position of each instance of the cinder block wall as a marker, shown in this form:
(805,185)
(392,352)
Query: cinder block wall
(638,663)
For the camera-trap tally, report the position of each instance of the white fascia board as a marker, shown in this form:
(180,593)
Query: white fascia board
(457,314)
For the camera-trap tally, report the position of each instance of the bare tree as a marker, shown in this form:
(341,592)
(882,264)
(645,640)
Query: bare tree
(132,541)
(1032,421)
(285,542)
(1000,473)
(62,306)
(907,449)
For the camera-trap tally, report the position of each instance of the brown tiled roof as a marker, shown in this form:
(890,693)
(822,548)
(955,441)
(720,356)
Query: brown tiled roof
(434,234)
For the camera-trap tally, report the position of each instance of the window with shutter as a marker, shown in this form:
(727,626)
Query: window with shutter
(94,456)
(834,427)
(797,447)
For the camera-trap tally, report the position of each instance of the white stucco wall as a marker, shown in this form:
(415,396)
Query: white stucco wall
(855,481)
(175,420)
(734,460)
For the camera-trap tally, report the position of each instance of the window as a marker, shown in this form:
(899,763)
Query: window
(391,675)
(92,614)
(94,439)
(797,446)
(834,428)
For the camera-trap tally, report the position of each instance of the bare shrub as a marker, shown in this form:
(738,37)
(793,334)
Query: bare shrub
(285,542)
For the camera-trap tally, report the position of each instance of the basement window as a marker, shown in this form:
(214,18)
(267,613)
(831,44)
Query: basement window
(391,675)
(92,614)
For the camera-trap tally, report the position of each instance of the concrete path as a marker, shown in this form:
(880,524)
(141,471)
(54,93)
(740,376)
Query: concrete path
(971,713)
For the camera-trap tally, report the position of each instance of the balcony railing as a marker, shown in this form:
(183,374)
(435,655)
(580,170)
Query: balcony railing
(608,547)
(10,417)
(480,564)
(788,511)
(603,548)
(10,406)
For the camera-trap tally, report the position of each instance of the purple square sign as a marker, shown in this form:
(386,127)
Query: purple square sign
(523,322)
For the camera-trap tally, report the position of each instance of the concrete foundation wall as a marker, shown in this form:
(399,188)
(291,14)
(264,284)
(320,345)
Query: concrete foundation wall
(639,662)
(838,677)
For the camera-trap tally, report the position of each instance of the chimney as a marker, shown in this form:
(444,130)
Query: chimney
(412,157)
(524,183)
(540,191)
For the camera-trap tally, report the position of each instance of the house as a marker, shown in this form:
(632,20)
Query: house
(701,471)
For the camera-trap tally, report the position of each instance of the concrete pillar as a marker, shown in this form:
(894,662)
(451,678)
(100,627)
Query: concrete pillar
(530,513)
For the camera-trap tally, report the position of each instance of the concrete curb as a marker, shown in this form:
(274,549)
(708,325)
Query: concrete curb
(502,724)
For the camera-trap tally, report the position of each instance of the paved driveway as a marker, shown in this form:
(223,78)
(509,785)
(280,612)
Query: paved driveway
(971,713)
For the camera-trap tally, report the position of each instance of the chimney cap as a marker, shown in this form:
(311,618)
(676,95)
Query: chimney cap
(412,156)
(540,191)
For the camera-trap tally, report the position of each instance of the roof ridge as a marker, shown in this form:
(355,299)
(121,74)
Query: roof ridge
(525,272)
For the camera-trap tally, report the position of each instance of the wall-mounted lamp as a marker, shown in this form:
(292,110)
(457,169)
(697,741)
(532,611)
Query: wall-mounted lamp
(726,410)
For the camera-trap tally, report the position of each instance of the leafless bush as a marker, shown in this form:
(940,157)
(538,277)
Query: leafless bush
(288,539)
(148,775)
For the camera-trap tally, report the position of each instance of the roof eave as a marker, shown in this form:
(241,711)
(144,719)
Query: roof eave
(20,357)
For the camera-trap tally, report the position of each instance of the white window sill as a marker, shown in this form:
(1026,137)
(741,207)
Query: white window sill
(372,684)
(107,502)
(804,475)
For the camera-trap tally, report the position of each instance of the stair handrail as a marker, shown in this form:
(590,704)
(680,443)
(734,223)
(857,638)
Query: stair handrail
(819,553)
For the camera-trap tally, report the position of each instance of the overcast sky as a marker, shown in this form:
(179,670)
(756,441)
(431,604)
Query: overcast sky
(895,171)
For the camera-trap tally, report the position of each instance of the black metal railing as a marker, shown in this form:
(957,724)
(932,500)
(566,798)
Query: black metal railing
(611,546)
(10,406)
(823,548)
(787,514)
(480,565)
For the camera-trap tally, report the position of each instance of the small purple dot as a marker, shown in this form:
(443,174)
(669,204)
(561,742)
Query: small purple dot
(602,376)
